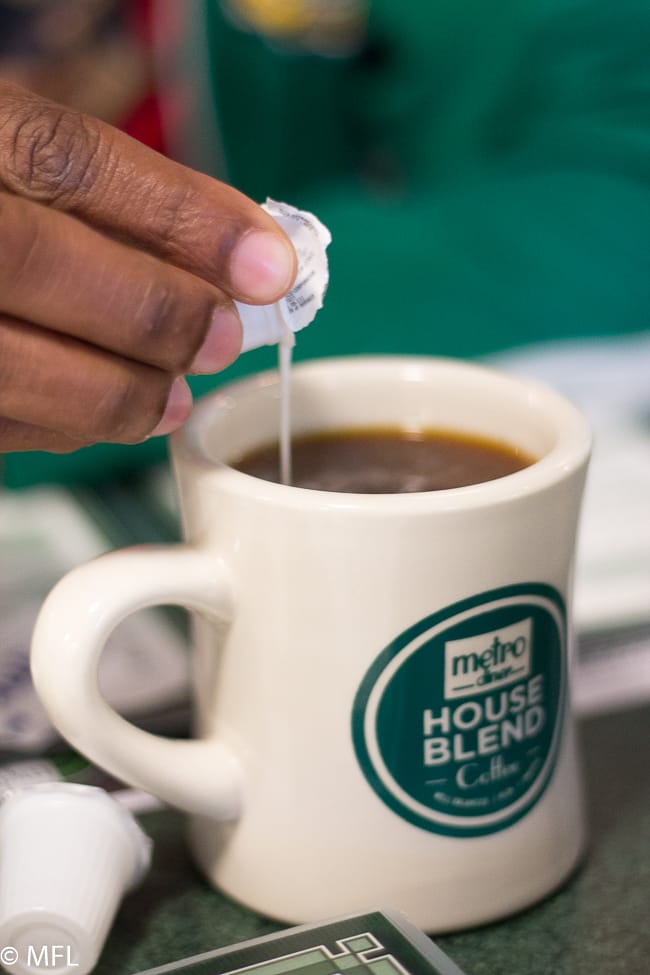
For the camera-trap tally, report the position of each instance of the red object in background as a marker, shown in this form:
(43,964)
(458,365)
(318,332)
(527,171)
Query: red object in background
(139,15)
(144,121)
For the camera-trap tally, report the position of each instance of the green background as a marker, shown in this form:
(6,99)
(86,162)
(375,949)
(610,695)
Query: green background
(484,170)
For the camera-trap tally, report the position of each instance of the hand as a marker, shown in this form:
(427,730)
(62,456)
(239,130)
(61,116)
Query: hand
(117,272)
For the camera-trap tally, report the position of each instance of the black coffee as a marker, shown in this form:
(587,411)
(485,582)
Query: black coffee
(387,461)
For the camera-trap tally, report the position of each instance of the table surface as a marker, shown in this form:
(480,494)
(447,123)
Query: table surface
(598,923)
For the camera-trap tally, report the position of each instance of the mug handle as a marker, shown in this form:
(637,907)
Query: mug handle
(199,776)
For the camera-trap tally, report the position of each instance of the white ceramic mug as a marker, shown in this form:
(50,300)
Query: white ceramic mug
(381,681)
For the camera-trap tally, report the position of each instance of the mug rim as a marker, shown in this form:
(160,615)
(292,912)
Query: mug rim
(570,452)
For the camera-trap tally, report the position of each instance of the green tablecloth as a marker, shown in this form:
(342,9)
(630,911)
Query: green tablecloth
(598,924)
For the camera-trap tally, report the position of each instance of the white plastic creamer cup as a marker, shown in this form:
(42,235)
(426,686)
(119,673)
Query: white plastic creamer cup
(269,324)
(68,854)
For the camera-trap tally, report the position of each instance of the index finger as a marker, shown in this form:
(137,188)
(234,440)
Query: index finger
(76,163)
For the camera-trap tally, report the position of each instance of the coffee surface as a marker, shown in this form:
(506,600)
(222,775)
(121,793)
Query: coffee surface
(387,461)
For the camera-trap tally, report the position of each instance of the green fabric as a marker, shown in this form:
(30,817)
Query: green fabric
(484,169)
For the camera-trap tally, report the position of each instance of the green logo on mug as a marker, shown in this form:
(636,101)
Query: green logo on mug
(457,723)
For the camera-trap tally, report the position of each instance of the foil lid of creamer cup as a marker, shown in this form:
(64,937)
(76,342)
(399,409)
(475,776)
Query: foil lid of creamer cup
(268,324)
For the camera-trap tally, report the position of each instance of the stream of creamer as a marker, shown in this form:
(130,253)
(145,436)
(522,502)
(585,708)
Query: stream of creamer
(285,349)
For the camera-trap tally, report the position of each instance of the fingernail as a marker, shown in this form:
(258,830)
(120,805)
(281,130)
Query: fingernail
(262,267)
(179,407)
(221,345)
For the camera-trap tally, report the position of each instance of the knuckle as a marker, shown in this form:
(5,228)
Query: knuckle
(12,358)
(8,435)
(156,316)
(170,322)
(159,326)
(49,151)
(16,436)
(170,319)
(6,363)
(178,210)
(110,416)
(127,409)
(19,242)
(181,216)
